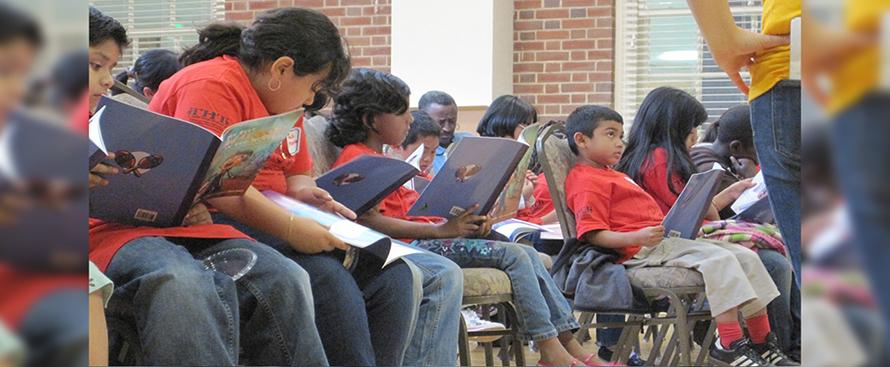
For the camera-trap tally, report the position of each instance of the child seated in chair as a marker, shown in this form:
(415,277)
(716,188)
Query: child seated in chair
(424,131)
(611,211)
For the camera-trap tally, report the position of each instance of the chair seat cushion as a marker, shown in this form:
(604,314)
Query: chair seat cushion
(665,277)
(486,282)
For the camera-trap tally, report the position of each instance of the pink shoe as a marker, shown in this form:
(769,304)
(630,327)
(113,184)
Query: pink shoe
(592,360)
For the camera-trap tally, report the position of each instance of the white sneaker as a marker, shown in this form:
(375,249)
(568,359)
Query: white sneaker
(474,323)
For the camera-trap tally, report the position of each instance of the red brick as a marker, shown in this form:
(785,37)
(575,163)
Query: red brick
(605,87)
(599,55)
(552,24)
(576,87)
(578,66)
(359,41)
(526,56)
(600,77)
(579,77)
(551,88)
(262,5)
(530,89)
(375,51)
(239,15)
(361,61)
(578,98)
(530,67)
(353,31)
(350,21)
(599,98)
(526,14)
(526,78)
(376,30)
(549,35)
(527,4)
(552,56)
(314,4)
(604,22)
(604,66)
(528,46)
(381,60)
(354,11)
(578,23)
(527,36)
(379,41)
(528,25)
(553,67)
(578,34)
(552,13)
(380,20)
(331,2)
(600,12)
(551,110)
(551,3)
(554,78)
(354,2)
(574,3)
(575,45)
(578,56)
(552,45)
(550,98)
(600,33)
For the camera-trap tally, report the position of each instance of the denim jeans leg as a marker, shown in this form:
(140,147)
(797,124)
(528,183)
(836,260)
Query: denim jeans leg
(860,152)
(779,309)
(561,316)
(55,330)
(534,315)
(182,313)
(608,337)
(391,304)
(276,308)
(775,119)
(435,335)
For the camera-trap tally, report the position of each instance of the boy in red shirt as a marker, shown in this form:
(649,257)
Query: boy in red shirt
(611,211)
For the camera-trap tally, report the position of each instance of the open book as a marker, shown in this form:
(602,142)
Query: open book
(354,234)
(475,173)
(516,229)
(685,217)
(365,181)
(750,196)
(168,164)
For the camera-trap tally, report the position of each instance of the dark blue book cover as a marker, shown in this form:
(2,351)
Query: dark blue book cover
(365,181)
(686,216)
(759,212)
(168,164)
(49,233)
(475,173)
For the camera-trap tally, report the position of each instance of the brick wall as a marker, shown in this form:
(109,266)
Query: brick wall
(364,23)
(562,49)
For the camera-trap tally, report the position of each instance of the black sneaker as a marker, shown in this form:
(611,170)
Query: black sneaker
(739,354)
(771,352)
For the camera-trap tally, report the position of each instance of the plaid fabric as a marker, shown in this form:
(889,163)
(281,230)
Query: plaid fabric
(751,235)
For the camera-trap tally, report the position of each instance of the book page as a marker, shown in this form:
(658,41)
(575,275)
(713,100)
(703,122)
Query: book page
(751,195)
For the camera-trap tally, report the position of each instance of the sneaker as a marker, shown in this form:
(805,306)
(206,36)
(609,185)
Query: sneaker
(605,354)
(474,323)
(771,352)
(740,353)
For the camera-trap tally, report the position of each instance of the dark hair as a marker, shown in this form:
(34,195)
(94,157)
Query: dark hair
(305,35)
(150,69)
(665,118)
(422,126)
(735,124)
(504,115)
(15,24)
(437,97)
(103,27)
(365,94)
(710,135)
(585,119)
(68,79)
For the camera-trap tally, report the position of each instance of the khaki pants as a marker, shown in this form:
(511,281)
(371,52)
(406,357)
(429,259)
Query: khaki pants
(734,276)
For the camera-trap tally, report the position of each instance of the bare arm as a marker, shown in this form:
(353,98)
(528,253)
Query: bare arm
(255,210)
(98,333)
(649,236)
(465,224)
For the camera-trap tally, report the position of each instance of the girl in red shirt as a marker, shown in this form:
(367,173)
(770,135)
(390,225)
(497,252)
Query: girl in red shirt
(273,66)
(372,110)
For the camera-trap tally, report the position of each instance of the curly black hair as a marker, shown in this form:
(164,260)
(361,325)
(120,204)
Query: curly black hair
(365,94)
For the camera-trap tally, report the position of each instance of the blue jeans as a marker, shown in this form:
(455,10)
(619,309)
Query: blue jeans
(55,330)
(784,310)
(542,309)
(860,152)
(434,342)
(775,119)
(365,317)
(187,315)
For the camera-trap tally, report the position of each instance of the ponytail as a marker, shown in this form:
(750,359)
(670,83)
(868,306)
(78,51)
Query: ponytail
(214,40)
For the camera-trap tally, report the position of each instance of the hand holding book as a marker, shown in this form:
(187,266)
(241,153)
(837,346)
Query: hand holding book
(97,173)
(464,225)
(321,199)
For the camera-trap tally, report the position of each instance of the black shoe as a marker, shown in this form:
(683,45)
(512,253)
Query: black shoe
(740,353)
(771,352)
(606,354)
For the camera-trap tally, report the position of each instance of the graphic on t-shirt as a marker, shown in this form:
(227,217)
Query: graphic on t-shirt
(348,178)
(137,163)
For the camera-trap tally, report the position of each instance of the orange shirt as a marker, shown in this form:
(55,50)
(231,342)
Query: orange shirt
(654,180)
(773,65)
(605,199)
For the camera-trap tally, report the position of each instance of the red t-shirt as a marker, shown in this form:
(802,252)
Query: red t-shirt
(214,94)
(543,203)
(654,180)
(605,199)
(398,203)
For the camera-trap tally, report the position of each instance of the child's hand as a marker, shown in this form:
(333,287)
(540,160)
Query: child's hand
(528,188)
(321,199)
(650,236)
(96,178)
(735,190)
(485,226)
(308,237)
(462,225)
(197,215)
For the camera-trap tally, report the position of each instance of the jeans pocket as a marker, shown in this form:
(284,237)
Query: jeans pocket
(785,113)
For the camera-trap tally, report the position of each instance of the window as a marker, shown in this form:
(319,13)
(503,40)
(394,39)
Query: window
(658,44)
(168,24)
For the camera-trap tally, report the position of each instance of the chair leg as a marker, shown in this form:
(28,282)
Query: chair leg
(463,344)
(683,336)
(513,317)
(706,344)
(583,334)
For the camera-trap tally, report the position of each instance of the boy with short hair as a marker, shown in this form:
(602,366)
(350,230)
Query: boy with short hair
(611,211)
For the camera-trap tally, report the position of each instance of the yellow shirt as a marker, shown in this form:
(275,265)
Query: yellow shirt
(859,73)
(773,65)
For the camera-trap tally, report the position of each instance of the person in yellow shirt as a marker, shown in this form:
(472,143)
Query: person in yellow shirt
(774,99)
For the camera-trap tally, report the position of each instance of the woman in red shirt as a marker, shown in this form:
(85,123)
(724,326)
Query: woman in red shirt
(279,62)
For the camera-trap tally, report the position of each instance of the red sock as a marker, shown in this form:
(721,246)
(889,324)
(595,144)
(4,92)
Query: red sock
(758,328)
(729,333)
